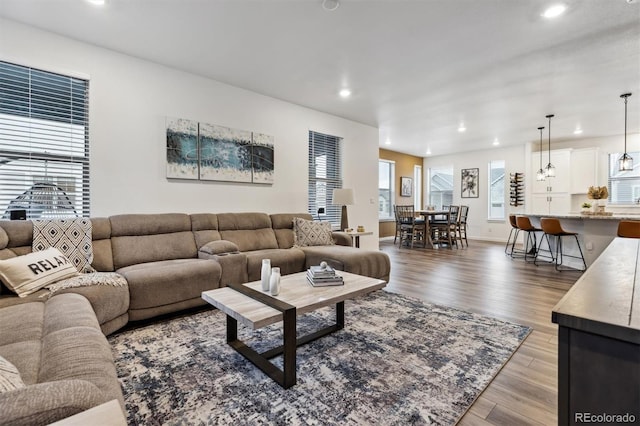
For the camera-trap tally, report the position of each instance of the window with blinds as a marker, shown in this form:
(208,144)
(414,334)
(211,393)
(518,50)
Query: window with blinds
(325,175)
(44,143)
(624,187)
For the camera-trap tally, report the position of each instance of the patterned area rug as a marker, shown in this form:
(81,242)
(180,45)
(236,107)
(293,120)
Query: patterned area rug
(397,361)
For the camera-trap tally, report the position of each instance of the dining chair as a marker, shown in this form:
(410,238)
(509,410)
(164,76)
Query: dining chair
(461,225)
(412,230)
(398,225)
(445,231)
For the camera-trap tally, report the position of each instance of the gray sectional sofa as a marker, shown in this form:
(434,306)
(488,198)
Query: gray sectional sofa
(168,260)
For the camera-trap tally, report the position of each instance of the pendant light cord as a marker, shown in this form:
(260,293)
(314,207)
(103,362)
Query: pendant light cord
(625,123)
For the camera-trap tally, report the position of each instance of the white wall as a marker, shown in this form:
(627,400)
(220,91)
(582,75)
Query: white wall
(478,225)
(129,100)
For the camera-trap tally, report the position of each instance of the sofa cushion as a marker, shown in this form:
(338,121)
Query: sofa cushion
(144,238)
(374,264)
(309,233)
(29,273)
(166,282)
(9,376)
(282,224)
(249,231)
(288,260)
(71,236)
(218,247)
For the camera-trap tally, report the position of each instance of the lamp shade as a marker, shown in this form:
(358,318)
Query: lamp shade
(343,197)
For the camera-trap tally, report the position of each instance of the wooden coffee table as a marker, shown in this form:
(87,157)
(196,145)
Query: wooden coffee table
(247,304)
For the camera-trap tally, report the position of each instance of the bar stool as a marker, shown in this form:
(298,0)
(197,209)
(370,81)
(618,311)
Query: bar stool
(629,228)
(524,225)
(552,227)
(513,233)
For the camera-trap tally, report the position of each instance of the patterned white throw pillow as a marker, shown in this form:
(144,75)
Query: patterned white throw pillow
(309,233)
(9,376)
(29,273)
(71,236)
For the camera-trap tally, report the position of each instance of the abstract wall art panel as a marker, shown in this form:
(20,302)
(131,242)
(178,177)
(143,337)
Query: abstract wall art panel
(225,154)
(262,158)
(182,148)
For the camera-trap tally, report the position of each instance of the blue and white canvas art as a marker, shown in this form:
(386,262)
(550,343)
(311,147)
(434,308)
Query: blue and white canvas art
(225,154)
(262,158)
(182,148)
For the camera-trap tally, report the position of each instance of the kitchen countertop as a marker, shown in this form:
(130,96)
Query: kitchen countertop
(615,216)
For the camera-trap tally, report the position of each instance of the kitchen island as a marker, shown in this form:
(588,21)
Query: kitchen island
(595,232)
(599,340)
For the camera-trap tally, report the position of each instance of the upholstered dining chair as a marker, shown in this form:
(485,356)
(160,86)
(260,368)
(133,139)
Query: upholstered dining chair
(412,229)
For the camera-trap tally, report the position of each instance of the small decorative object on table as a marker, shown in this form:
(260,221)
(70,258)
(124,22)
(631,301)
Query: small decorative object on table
(265,274)
(323,275)
(360,228)
(274,281)
(586,208)
(598,193)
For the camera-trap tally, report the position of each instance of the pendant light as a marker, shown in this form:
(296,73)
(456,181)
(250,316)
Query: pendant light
(550,170)
(625,163)
(540,173)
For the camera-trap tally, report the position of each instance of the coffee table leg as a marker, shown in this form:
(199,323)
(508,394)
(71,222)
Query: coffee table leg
(232,329)
(290,344)
(340,315)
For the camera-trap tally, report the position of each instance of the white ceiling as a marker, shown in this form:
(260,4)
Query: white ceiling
(416,68)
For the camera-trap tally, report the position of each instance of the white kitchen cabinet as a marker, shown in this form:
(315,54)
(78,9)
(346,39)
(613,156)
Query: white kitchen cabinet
(550,203)
(584,170)
(551,196)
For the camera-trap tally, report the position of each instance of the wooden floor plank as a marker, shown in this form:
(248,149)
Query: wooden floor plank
(482,279)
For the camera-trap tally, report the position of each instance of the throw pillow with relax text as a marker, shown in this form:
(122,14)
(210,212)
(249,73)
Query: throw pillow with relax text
(29,273)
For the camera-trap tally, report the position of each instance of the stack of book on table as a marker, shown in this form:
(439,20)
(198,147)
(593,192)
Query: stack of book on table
(320,276)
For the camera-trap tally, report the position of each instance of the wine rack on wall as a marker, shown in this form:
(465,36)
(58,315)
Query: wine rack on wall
(516,189)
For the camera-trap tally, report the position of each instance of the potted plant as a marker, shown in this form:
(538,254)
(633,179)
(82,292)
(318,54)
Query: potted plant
(586,208)
(598,193)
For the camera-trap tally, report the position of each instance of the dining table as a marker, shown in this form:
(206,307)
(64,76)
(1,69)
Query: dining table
(430,215)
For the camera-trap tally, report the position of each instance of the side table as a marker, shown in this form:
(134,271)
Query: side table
(356,236)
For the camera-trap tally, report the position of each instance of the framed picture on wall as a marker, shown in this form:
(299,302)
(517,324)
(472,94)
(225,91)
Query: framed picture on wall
(469,183)
(406,186)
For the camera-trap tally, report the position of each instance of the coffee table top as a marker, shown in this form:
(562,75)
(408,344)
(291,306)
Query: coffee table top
(294,290)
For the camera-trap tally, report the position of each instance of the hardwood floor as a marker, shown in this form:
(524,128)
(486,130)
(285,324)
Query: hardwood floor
(482,279)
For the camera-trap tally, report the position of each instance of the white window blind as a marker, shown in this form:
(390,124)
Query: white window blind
(44,143)
(386,195)
(325,175)
(624,187)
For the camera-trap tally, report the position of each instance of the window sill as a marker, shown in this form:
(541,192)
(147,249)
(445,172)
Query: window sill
(496,220)
(384,220)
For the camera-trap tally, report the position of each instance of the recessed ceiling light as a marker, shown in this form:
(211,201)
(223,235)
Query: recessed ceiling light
(554,11)
(496,142)
(461,128)
(577,131)
(428,152)
(330,5)
(345,93)
(388,142)
(97,2)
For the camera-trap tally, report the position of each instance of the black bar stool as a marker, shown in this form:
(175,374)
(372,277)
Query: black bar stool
(530,245)
(552,227)
(513,233)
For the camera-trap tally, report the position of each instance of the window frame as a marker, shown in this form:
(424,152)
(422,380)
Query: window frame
(430,182)
(491,181)
(44,142)
(628,176)
(329,146)
(391,190)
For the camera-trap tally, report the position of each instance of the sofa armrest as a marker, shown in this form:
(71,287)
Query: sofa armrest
(47,402)
(342,238)
(219,247)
